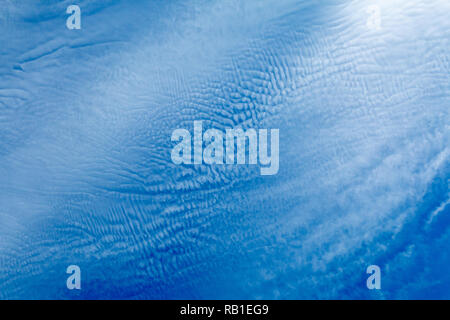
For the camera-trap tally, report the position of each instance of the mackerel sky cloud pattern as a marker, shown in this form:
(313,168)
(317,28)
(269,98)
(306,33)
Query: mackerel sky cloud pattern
(359,92)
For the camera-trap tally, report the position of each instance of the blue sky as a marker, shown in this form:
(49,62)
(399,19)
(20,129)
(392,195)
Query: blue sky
(86,177)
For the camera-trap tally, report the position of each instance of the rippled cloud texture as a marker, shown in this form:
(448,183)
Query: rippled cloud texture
(359,91)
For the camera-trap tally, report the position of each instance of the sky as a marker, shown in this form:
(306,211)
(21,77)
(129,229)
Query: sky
(360,94)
